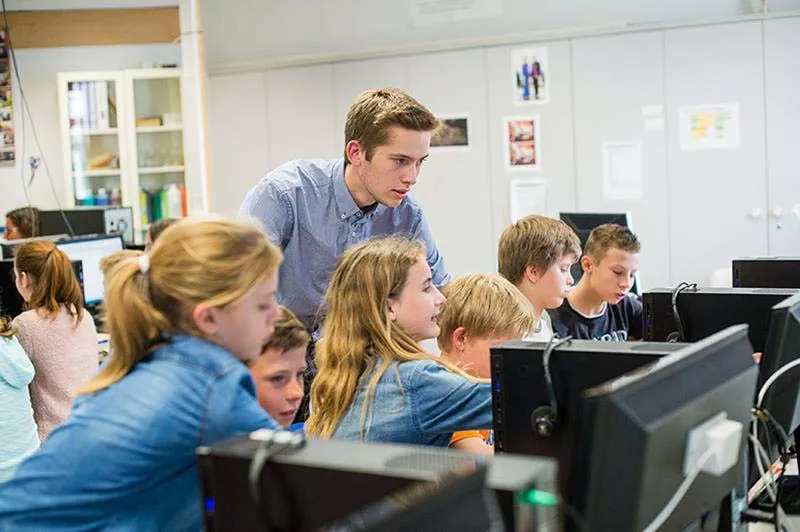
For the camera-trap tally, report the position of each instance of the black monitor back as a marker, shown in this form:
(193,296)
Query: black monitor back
(705,311)
(518,387)
(329,479)
(634,435)
(584,222)
(11,302)
(782,347)
(89,221)
(766,272)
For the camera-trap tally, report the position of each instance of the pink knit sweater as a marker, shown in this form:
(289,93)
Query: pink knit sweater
(64,358)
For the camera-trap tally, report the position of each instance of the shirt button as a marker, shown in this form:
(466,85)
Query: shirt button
(344,216)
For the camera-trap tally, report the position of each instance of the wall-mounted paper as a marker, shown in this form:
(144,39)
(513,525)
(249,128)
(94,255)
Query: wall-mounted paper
(453,133)
(622,170)
(709,127)
(522,143)
(425,12)
(528,196)
(530,76)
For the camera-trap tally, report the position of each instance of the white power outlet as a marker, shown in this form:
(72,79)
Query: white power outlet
(723,436)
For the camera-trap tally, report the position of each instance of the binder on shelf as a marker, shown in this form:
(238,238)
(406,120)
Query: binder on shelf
(101,104)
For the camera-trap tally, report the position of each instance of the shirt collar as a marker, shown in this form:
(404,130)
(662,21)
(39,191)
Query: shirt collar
(345,203)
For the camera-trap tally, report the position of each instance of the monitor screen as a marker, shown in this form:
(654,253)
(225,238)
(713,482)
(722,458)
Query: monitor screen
(90,252)
(634,435)
(11,302)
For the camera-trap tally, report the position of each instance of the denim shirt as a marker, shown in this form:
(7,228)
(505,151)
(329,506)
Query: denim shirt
(425,406)
(306,208)
(125,458)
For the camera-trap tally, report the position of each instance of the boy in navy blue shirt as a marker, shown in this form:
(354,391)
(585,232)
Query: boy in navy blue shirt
(599,307)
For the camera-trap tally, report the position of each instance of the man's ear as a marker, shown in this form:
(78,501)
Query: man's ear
(530,274)
(205,318)
(459,338)
(355,153)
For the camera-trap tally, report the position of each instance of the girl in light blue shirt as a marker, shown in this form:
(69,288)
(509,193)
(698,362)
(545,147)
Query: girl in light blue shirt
(374,382)
(18,437)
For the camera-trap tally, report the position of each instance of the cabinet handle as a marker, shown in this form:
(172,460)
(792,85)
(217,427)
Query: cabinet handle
(777,212)
(755,214)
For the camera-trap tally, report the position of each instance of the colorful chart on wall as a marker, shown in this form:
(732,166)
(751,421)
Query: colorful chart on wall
(709,127)
(522,143)
(529,78)
(7,151)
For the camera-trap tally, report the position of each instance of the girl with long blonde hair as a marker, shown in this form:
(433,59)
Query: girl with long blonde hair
(374,382)
(183,318)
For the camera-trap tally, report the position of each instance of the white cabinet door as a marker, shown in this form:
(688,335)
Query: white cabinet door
(717,197)
(619,98)
(555,149)
(454,186)
(782,71)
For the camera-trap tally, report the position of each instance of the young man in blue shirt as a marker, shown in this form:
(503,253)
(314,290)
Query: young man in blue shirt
(316,209)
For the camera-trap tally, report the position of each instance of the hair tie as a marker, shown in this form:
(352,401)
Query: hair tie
(144,263)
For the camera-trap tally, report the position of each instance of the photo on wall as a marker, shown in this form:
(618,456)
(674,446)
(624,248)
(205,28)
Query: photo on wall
(453,134)
(522,143)
(529,76)
(7,149)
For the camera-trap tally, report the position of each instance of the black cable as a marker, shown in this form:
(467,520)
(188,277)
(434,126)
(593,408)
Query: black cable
(262,455)
(681,333)
(26,109)
(552,345)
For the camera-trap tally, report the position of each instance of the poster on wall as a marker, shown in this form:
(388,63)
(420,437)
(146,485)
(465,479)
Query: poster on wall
(622,170)
(7,152)
(528,196)
(709,127)
(529,76)
(521,143)
(452,134)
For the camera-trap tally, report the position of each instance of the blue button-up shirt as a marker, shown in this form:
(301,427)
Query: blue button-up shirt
(306,209)
(125,458)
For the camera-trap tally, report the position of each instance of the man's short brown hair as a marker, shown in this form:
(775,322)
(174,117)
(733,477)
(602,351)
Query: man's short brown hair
(289,333)
(486,305)
(609,236)
(536,241)
(377,110)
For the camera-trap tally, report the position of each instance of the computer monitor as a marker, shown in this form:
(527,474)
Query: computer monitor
(7,247)
(327,480)
(782,346)
(11,302)
(704,311)
(91,251)
(520,392)
(766,272)
(634,433)
(584,222)
(89,221)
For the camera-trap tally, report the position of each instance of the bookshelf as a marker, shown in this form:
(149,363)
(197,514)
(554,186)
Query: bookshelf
(123,142)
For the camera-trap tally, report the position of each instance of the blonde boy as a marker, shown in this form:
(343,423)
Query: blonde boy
(599,307)
(536,254)
(278,372)
(480,311)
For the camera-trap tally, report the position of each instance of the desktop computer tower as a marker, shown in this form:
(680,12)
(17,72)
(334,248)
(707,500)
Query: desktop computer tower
(327,480)
(766,272)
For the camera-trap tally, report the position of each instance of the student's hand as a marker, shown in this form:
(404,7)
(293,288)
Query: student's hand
(757,357)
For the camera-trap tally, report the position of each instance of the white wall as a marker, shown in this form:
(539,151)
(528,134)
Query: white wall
(38,68)
(256,31)
(599,88)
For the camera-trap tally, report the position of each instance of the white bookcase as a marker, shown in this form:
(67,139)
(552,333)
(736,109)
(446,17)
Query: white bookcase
(123,143)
